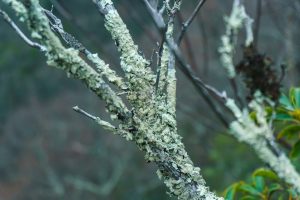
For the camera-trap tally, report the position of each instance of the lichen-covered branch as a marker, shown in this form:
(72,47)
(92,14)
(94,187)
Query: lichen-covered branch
(19,32)
(66,59)
(234,22)
(131,60)
(101,66)
(151,124)
(167,78)
(259,136)
(104,124)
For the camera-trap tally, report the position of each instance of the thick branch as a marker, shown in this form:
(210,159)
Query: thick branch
(131,61)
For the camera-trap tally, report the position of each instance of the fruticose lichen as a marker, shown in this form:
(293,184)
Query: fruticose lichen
(151,122)
(259,135)
(234,22)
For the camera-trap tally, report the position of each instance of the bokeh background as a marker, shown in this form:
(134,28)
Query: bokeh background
(47,151)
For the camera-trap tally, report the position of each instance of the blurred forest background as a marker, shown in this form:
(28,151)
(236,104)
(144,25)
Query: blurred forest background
(47,151)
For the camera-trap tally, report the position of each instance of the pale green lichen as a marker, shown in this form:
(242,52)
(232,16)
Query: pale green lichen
(151,123)
(165,60)
(67,59)
(234,22)
(106,71)
(258,134)
(19,8)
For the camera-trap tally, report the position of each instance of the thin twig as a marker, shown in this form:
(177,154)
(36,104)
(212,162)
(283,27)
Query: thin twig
(80,111)
(205,46)
(188,46)
(106,125)
(20,33)
(257,21)
(188,22)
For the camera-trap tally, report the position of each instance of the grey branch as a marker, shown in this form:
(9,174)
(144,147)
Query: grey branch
(188,22)
(20,33)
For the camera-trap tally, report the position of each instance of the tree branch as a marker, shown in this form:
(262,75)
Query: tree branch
(131,61)
(20,33)
(67,59)
(106,125)
(153,127)
(188,22)
(102,67)
(202,88)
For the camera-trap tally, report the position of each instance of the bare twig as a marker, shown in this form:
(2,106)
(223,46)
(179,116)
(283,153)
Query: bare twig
(205,46)
(188,22)
(20,33)
(79,110)
(188,46)
(257,21)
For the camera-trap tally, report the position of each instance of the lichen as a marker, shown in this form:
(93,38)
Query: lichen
(234,22)
(258,134)
(151,124)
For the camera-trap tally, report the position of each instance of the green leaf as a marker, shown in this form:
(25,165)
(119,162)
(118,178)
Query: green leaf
(231,191)
(284,100)
(292,96)
(259,183)
(283,116)
(274,187)
(252,115)
(297,97)
(289,131)
(248,198)
(249,189)
(266,173)
(295,150)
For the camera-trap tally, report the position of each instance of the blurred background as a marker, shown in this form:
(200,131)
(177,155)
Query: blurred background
(47,151)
